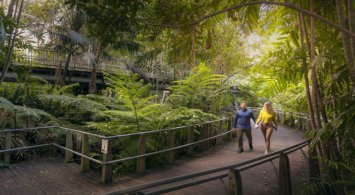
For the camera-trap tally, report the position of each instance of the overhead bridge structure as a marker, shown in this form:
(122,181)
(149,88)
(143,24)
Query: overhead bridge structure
(43,63)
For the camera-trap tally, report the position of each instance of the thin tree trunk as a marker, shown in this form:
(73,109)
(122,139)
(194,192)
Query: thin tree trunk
(11,44)
(92,83)
(193,52)
(303,34)
(313,74)
(347,42)
(59,82)
(67,63)
(10,10)
(351,19)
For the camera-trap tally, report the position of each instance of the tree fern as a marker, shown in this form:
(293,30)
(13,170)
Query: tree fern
(198,90)
(21,116)
(136,103)
(71,108)
(67,89)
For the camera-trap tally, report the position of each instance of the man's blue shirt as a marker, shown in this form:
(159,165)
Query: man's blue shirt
(242,119)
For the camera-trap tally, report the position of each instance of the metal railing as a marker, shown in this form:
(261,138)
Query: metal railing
(52,59)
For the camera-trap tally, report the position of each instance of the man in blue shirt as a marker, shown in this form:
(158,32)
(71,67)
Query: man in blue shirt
(242,123)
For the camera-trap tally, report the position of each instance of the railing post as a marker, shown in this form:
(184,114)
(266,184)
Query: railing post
(284,175)
(141,150)
(69,145)
(190,139)
(8,144)
(208,132)
(171,142)
(292,120)
(204,134)
(279,116)
(84,163)
(234,182)
(284,116)
(219,139)
(299,123)
(106,175)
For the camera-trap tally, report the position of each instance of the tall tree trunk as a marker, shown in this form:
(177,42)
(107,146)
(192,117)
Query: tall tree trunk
(351,19)
(11,43)
(92,83)
(10,10)
(315,85)
(67,63)
(59,82)
(193,51)
(347,42)
(314,165)
(303,35)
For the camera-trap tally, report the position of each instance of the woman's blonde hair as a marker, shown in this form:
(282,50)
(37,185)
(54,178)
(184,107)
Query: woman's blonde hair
(268,107)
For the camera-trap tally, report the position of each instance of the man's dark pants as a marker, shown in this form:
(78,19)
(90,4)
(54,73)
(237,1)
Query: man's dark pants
(240,133)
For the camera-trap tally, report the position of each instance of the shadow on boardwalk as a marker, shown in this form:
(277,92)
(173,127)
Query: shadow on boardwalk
(52,176)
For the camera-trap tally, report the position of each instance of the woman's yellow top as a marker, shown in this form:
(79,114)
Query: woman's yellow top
(266,117)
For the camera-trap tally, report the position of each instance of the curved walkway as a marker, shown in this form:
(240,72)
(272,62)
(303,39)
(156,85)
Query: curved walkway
(52,176)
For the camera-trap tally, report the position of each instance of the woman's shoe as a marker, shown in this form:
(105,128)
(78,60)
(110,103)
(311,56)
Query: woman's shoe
(266,152)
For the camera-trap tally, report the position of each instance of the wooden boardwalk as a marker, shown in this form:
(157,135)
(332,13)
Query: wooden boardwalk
(52,176)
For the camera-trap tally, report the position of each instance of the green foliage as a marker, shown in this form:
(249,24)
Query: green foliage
(24,93)
(292,98)
(21,116)
(107,101)
(67,89)
(321,187)
(136,106)
(184,116)
(70,108)
(202,90)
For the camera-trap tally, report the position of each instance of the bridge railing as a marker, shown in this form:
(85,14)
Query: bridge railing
(211,133)
(52,59)
(232,172)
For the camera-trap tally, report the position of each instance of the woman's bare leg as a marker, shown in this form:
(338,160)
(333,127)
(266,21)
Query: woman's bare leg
(263,130)
(268,138)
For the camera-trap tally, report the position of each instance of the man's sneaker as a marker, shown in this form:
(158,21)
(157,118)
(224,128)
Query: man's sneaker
(266,152)
(251,148)
(240,150)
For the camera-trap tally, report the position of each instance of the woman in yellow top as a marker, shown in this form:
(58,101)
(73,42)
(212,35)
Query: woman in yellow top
(267,117)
